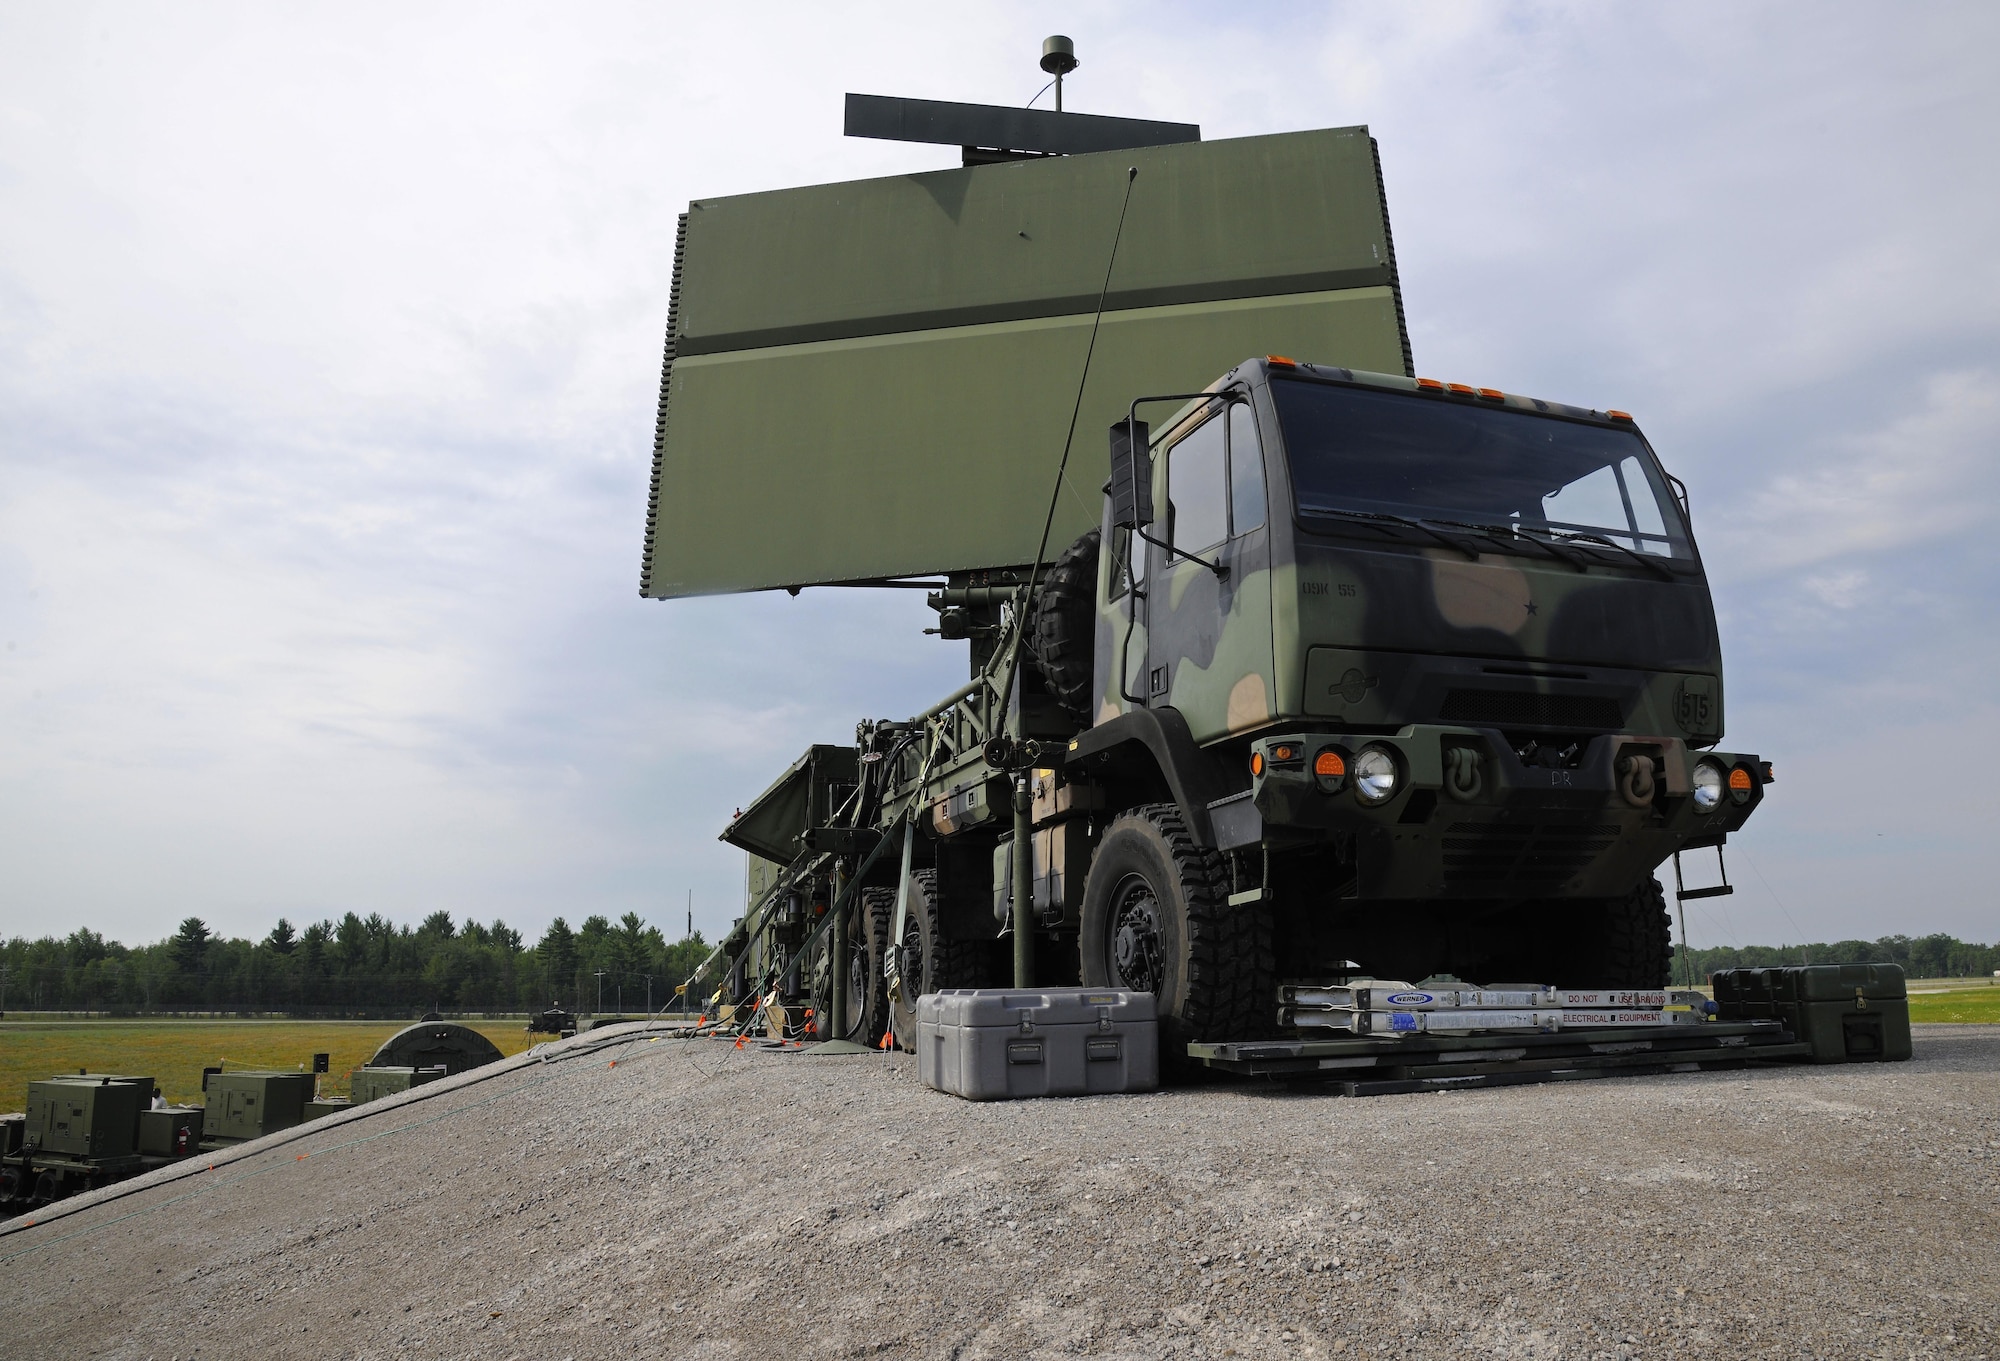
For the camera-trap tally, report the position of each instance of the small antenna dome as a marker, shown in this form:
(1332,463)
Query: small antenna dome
(1058,55)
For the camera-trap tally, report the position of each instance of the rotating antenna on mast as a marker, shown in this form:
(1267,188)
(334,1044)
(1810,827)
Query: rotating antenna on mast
(1059,59)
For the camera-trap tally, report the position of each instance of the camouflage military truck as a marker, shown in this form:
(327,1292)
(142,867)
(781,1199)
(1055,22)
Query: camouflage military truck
(1345,671)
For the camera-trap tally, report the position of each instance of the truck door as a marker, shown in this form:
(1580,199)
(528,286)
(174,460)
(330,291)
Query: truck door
(1208,638)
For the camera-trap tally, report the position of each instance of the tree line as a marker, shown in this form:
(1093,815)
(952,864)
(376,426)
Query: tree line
(1935,956)
(368,966)
(356,966)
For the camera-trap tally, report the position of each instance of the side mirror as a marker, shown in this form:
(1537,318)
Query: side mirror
(1131,475)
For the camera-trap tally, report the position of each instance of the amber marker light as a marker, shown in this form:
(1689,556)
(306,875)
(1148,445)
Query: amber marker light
(1256,763)
(1619,415)
(1283,753)
(1740,783)
(1330,770)
(1493,394)
(1430,385)
(1280,361)
(1465,389)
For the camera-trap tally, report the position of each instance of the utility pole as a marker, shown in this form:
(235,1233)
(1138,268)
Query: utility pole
(649,993)
(600,992)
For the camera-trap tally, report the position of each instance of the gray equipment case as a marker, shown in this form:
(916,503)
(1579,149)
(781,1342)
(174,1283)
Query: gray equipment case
(995,1044)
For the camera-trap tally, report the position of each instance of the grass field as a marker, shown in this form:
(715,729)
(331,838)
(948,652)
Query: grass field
(173,1053)
(1961,1006)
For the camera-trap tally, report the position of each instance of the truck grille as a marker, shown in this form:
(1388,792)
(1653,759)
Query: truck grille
(1524,854)
(1513,708)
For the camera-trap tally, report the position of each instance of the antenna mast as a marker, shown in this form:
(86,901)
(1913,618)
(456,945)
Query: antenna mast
(1058,59)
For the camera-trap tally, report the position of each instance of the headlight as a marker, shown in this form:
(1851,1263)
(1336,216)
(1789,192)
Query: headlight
(1374,775)
(1709,782)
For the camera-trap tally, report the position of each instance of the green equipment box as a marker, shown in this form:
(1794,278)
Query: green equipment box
(1743,994)
(1848,1013)
(87,1116)
(249,1105)
(13,1130)
(173,1132)
(373,1083)
(327,1105)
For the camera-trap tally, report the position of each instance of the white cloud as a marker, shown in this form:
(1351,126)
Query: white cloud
(328,341)
(1923,475)
(1837,590)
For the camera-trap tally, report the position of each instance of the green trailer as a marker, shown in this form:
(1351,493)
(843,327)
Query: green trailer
(86,1130)
(248,1104)
(372,1083)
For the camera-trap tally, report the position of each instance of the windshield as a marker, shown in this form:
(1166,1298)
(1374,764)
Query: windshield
(1384,456)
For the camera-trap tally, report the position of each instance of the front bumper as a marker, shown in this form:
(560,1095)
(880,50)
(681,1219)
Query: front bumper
(1468,818)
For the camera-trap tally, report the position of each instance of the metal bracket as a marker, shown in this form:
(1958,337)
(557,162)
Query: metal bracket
(890,972)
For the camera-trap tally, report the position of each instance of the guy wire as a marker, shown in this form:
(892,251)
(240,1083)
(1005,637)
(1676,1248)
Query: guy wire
(1131,174)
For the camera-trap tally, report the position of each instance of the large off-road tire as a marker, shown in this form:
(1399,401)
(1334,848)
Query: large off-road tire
(867,1001)
(1156,918)
(1634,942)
(929,961)
(1065,625)
(1612,942)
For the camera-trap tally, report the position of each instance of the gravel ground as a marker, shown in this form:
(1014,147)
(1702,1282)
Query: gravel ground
(693,1200)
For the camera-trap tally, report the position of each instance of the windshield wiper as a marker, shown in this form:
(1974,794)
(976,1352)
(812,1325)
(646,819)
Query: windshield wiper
(1651,564)
(1511,536)
(1379,517)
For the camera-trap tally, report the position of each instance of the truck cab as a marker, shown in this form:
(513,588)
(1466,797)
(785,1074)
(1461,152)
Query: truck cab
(1431,669)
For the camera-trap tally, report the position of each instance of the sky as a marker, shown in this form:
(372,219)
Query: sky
(330,341)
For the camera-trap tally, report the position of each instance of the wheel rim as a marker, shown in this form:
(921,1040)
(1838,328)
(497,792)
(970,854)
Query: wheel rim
(857,987)
(909,961)
(1134,952)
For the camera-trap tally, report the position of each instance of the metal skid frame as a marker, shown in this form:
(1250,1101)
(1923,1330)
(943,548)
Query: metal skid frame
(1424,1063)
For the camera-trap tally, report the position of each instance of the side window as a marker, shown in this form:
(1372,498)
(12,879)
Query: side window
(1119,549)
(1643,508)
(1197,488)
(1593,501)
(1246,471)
